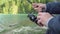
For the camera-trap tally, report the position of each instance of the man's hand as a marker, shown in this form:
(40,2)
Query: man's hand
(43,17)
(38,6)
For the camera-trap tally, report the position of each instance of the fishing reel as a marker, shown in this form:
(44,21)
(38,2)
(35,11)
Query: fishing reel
(33,18)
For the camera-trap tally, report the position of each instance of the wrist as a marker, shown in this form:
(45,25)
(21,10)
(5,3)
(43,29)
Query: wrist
(46,24)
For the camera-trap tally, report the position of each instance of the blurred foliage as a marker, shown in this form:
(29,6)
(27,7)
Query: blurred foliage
(17,6)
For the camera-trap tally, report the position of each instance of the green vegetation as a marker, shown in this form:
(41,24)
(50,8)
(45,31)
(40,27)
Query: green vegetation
(18,6)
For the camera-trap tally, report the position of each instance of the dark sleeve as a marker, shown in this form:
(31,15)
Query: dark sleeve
(54,24)
(53,7)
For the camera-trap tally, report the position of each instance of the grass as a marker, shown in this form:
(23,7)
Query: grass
(19,24)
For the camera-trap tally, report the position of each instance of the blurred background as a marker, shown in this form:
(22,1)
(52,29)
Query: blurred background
(14,20)
(19,6)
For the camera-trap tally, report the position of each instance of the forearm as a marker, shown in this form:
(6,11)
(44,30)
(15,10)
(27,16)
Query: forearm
(53,7)
(54,23)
